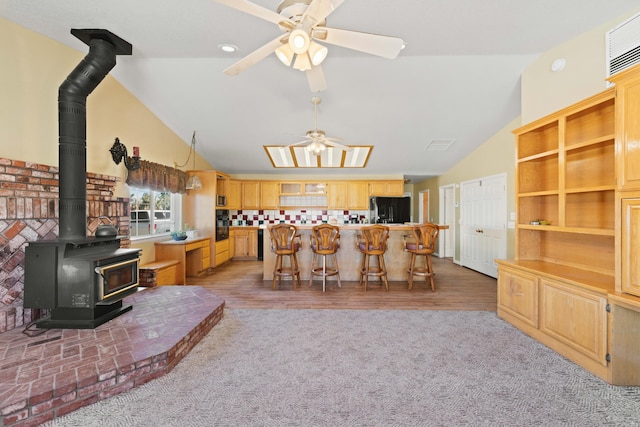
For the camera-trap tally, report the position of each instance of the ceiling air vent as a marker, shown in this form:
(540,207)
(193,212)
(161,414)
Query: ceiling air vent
(439,144)
(623,46)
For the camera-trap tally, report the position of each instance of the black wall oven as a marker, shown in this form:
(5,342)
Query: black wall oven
(222,224)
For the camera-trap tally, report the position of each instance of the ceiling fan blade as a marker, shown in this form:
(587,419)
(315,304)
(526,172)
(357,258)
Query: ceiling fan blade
(318,10)
(299,143)
(336,145)
(375,44)
(315,77)
(332,138)
(255,56)
(256,10)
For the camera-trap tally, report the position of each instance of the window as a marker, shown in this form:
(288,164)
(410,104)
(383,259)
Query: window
(153,212)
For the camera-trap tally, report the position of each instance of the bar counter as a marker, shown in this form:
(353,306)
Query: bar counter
(396,259)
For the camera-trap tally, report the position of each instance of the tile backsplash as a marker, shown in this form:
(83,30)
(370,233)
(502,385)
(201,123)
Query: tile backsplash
(293,216)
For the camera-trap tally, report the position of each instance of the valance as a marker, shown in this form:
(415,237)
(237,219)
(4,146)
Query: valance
(158,177)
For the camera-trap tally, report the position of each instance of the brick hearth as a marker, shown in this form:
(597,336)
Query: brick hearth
(61,370)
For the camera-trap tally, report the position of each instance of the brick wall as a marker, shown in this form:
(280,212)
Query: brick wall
(29,212)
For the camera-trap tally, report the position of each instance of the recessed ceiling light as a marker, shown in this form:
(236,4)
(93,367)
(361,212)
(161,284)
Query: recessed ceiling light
(228,48)
(558,65)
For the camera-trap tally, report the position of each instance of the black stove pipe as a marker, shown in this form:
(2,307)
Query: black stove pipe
(72,126)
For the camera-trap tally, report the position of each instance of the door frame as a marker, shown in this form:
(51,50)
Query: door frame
(447,216)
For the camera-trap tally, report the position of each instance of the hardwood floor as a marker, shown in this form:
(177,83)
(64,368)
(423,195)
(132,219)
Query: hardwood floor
(240,284)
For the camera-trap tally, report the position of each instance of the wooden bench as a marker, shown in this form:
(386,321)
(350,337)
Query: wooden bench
(158,273)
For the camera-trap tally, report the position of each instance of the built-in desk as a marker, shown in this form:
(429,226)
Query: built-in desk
(193,256)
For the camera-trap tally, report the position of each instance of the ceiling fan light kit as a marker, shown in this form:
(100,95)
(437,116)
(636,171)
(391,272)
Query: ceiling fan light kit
(303,21)
(318,53)
(285,54)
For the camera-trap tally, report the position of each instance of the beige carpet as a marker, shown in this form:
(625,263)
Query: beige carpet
(368,368)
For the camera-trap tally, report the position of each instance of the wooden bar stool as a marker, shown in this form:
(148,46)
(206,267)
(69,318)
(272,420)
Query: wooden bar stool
(285,242)
(421,243)
(325,241)
(372,243)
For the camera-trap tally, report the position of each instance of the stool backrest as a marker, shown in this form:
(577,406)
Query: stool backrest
(375,238)
(282,238)
(425,236)
(325,239)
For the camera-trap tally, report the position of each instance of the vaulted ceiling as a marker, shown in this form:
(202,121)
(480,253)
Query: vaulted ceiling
(457,79)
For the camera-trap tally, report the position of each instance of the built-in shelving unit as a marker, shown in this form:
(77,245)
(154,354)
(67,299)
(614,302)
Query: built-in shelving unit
(574,283)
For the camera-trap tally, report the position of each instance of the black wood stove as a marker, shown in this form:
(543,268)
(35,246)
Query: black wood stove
(81,280)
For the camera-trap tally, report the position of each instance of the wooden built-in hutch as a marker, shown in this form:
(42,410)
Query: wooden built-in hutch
(574,284)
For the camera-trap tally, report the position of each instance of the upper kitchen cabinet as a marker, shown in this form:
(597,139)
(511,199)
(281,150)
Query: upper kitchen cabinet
(348,195)
(234,194)
(337,194)
(269,195)
(222,190)
(358,195)
(251,195)
(302,188)
(386,188)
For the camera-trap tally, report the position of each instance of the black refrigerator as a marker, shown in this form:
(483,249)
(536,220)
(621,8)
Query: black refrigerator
(389,210)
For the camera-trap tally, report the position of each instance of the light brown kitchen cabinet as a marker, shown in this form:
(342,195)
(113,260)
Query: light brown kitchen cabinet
(352,195)
(245,243)
(251,195)
(234,194)
(358,195)
(337,194)
(302,188)
(269,195)
(222,252)
(393,188)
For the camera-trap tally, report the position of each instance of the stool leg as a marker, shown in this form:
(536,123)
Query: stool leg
(431,273)
(383,270)
(324,273)
(412,266)
(335,260)
(275,272)
(295,270)
(366,272)
(313,265)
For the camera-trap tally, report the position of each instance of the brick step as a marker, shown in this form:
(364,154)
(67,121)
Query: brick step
(158,273)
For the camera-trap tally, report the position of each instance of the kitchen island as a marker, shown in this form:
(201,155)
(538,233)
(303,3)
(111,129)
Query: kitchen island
(349,257)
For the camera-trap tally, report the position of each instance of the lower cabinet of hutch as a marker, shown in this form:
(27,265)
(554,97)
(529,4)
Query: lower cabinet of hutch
(575,317)
(566,318)
(518,295)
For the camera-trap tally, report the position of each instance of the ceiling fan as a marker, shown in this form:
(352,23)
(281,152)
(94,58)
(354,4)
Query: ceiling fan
(304,23)
(317,140)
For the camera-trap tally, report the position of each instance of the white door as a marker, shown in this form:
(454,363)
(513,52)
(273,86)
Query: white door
(483,218)
(446,238)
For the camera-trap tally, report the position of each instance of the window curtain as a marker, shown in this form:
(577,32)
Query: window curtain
(158,177)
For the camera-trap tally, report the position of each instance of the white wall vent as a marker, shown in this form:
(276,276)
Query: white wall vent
(623,45)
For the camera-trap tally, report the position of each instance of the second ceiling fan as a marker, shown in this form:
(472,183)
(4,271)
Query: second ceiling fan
(304,25)
(317,140)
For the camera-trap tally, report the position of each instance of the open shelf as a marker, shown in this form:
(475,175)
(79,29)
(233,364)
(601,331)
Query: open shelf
(539,140)
(591,165)
(591,123)
(540,174)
